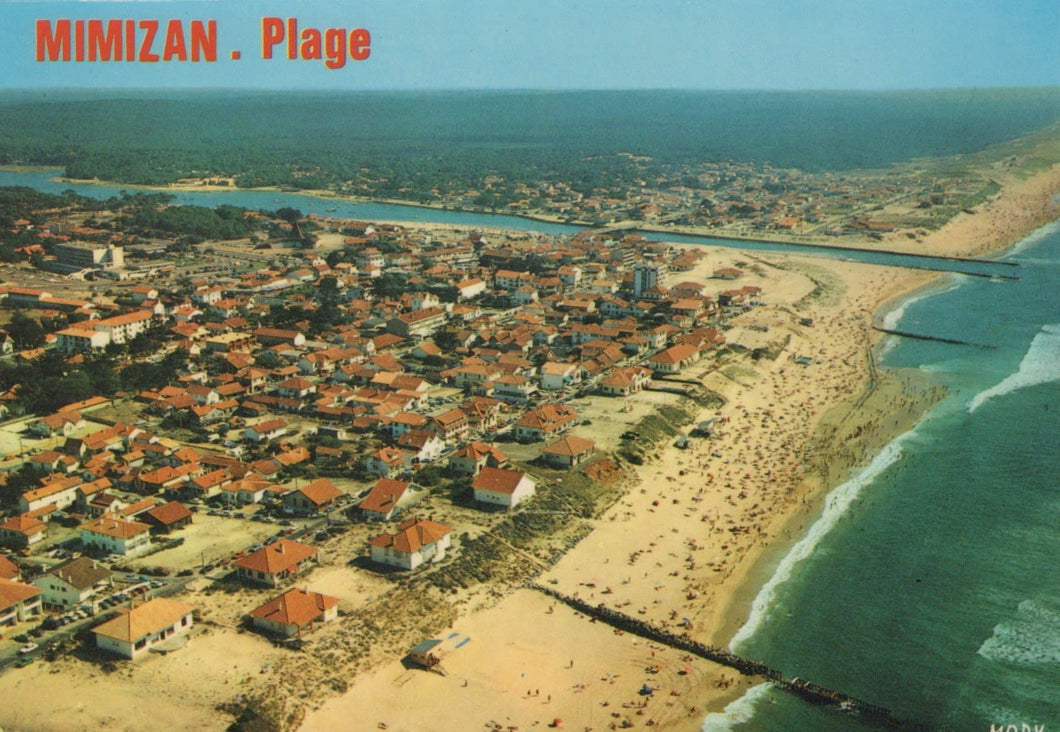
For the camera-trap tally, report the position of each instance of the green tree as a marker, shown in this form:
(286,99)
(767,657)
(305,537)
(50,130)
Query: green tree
(268,360)
(390,285)
(26,332)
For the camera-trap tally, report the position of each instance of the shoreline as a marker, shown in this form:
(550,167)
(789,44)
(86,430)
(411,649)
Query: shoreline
(674,545)
(721,606)
(1041,189)
(678,533)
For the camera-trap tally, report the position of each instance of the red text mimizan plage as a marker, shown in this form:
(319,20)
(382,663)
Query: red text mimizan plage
(151,41)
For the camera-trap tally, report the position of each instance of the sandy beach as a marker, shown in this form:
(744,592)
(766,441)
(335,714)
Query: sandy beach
(685,539)
(699,529)
(691,539)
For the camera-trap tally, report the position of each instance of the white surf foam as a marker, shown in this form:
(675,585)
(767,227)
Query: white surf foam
(1041,364)
(836,505)
(894,317)
(1032,638)
(739,711)
(1033,238)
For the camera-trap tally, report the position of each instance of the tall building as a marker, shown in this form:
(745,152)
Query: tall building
(647,274)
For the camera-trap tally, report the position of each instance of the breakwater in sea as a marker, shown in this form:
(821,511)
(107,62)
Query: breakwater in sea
(802,688)
(929,586)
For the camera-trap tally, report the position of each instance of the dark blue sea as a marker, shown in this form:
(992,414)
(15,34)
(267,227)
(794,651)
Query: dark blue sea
(931,582)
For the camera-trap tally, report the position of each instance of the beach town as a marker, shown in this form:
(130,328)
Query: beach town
(348,472)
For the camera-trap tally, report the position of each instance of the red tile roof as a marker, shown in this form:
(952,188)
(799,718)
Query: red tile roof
(110,525)
(23,524)
(384,495)
(497,480)
(12,593)
(142,620)
(412,536)
(320,491)
(277,557)
(170,513)
(8,569)
(570,446)
(295,607)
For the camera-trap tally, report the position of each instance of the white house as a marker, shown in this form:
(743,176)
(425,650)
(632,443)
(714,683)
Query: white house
(474,456)
(514,388)
(269,429)
(80,340)
(470,288)
(415,543)
(18,602)
(123,328)
(276,563)
(388,462)
(555,376)
(386,497)
(500,487)
(59,493)
(426,447)
(317,496)
(568,451)
(21,532)
(625,381)
(113,535)
(73,582)
(674,358)
(294,612)
(136,630)
(244,491)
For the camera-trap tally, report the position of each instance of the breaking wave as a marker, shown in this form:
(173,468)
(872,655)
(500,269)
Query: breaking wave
(1032,638)
(1033,238)
(739,711)
(837,503)
(894,317)
(1041,364)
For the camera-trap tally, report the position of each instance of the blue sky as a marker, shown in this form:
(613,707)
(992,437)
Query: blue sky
(584,44)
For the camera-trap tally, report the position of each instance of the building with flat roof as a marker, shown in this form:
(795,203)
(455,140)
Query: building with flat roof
(85,255)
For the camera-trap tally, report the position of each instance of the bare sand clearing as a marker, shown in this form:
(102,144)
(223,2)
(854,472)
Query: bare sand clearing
(529,662)
(176,692)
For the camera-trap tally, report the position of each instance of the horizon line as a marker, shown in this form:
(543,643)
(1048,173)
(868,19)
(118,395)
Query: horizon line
(528,89)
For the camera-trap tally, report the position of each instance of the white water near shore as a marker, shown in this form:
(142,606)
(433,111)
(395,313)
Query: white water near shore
(737,711)
(835,506)
(1040,365)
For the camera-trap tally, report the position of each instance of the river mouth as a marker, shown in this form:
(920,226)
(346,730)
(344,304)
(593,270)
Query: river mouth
(50,180)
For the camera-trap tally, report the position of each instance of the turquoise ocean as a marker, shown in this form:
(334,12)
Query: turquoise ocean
(930,584)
